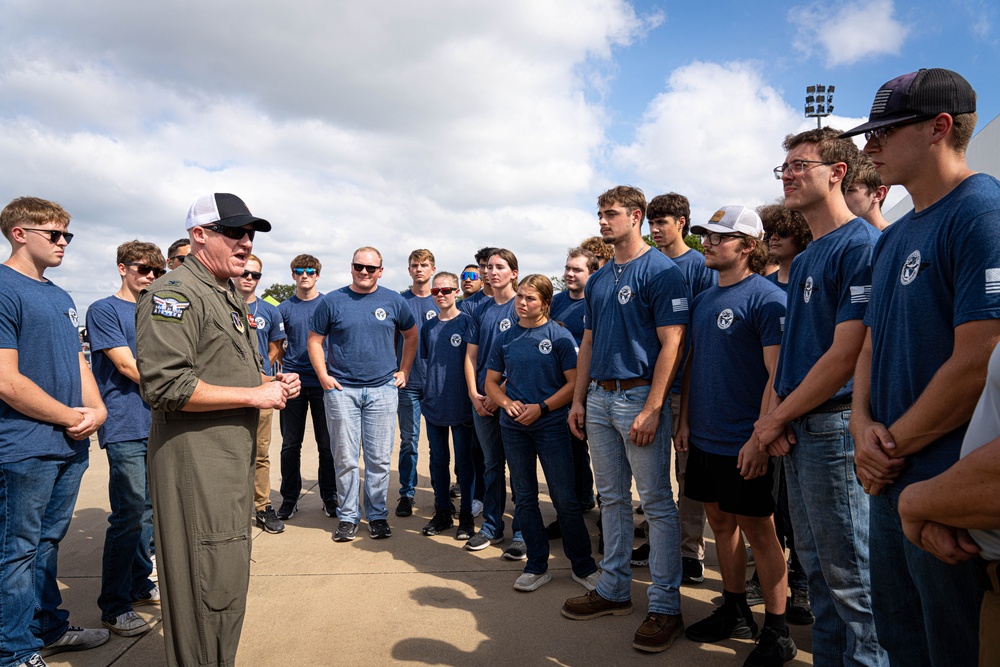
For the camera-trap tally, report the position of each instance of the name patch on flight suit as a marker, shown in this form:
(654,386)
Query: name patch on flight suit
(169,307)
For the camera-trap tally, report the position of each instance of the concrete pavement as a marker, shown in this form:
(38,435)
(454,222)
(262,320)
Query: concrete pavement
(409,599)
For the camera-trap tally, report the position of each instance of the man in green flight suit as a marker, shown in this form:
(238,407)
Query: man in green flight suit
(200,372)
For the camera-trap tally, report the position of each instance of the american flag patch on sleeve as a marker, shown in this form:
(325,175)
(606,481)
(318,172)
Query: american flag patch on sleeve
(680,304)
(993,281)
(861,293)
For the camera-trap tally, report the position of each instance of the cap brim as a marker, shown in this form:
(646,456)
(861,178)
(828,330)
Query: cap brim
(882,122)
(712,228)
(259,224)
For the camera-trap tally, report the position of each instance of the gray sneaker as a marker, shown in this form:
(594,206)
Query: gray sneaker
(128,624)
(77,639)
(346,531)
(754,594)
(528,582)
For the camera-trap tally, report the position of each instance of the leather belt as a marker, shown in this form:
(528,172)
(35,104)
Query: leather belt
(833,405)
(622,385)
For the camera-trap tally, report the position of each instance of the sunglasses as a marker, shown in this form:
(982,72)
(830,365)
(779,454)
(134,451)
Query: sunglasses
(360,268)
(54,234)
(470,275)
(444,291)
(236,233)
(309,272)
(143,269)
(774,232)
(251,274)
(180,258)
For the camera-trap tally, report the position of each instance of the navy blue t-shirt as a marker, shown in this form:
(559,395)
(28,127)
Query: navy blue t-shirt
(698,278)
(111,324)
(423,308)
(470,303)
(773,277)
(830,283)
(442,349)
(489,320)
(535,361)
(360,330)
(296,315)
(39,320)
(624,314)
(730,327)
(570,312)
(932,271)
(270,328)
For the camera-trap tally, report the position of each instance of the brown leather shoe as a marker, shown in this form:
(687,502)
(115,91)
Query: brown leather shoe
(592,605)
(658,632)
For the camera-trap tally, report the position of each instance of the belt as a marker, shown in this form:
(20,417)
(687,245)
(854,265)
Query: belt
(989,578)
(622,385)
(833,405)
(163,417)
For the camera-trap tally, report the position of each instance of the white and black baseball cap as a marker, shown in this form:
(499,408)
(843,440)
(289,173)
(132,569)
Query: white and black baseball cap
(223,209)
(733,219)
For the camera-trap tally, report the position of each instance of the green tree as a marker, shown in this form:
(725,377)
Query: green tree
(694,241)
(280,292)
(558,284)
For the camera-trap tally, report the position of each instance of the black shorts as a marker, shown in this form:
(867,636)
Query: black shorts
(713,478)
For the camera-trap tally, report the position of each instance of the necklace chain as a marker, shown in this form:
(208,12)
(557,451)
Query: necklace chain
(619,272)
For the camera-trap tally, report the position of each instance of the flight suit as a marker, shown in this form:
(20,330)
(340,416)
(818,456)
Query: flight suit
(201,464)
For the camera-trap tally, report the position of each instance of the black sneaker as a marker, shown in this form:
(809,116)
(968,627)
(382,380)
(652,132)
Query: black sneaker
(553,531)
(330,508)
(466,527)
(516,550)
(455,491)
(692,571)
(441,522)
(799,611)
(722,624)
(641,530)
(269,521)
(480,541)
(774,648)
(640,555)
(405,506)
(287,510)
(379,529)
(755,596)
(346,531)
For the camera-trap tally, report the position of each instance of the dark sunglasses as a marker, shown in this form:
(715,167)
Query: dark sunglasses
(774,232)
(470,275)
(365,267)
(445,291)
(54,234)
(231,232)
(180,258)
(143,269)
(251,274)
(309,272)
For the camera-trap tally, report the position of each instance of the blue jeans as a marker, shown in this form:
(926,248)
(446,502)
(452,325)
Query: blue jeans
(437,438)
(126,566)
(829,513)
(37,497)
(583,475)
(551,446)
(409,437)
(494,477)
(293,428)
(616,461)
(359,415)
(926,611)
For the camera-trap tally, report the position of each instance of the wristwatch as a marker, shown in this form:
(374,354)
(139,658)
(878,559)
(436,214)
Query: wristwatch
(544,407)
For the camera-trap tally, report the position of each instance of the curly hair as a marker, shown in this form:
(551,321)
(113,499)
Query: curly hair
(778,219)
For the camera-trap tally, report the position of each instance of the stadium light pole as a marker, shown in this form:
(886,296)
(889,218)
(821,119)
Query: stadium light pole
(819,103)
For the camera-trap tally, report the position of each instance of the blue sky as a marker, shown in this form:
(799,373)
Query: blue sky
(441,124)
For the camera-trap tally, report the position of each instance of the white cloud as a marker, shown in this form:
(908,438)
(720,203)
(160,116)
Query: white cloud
(442,124)
(848,32)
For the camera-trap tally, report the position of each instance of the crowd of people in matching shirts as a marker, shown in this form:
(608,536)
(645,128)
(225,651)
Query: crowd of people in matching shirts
(811,378)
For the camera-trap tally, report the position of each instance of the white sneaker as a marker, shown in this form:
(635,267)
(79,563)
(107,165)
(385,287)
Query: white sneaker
(529,582)
(590,581)
(152,597)
(128,624)
(34,661)
(152,575)
(477,507)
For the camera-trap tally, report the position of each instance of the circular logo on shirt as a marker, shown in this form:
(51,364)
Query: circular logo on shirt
(505,324)
(380,314)
(911,267)
(261,322)
(808,291)
(430,314)
(545,346)
(725,319)
(73,317)
(624,295)
(456,340)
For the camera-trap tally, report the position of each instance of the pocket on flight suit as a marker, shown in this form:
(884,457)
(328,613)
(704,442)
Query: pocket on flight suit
(224,571)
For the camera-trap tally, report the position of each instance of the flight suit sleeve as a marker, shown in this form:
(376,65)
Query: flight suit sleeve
(167,325)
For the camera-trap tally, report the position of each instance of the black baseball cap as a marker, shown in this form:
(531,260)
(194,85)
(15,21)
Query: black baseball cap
(223,209)
(918,96)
